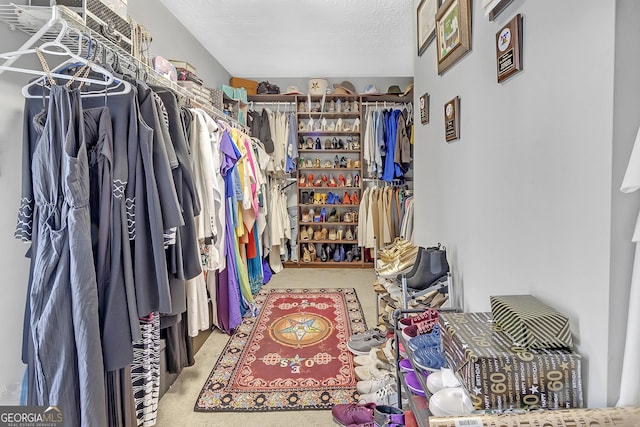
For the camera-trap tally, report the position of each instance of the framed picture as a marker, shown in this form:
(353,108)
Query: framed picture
(509,49)
(452,119)
(424,109)
(453,31)
(493,8)
(426,15)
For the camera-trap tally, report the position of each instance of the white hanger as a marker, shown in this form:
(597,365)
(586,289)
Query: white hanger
(57,48)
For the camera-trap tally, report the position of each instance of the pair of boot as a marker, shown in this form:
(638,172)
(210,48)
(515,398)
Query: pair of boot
(430,267)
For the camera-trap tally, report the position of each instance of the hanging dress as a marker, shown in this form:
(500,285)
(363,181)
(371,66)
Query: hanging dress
(67,359)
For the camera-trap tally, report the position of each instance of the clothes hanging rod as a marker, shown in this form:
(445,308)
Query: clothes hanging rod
(45,24)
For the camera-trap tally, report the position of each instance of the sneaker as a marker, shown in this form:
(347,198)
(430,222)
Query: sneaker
(374,355)
(430,340)
(351,413)
(388,416)
(374,384)
(420,328)
(363,347)
(367,334)
(444,378)
(376,370)
(429,314)
(429,359)
(387,395)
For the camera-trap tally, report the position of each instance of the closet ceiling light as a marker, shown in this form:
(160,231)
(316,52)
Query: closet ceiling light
(304,38)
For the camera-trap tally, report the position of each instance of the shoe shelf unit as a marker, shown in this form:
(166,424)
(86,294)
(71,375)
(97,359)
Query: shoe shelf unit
(418,404)
(329,180)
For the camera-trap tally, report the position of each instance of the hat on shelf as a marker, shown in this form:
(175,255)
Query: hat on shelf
(407,90)
(371,90)
(292,90)
(318,86)
(344,88)
(394,90)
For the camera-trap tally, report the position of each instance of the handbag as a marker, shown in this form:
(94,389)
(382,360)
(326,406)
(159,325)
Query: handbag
(265,88)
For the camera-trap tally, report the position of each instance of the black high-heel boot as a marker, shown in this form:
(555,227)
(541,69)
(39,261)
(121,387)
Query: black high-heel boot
(323,253)
(433,267)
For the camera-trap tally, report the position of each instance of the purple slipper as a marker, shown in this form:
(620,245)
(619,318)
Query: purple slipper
(414,384)
(405,365)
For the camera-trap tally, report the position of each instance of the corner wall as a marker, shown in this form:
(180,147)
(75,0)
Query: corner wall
(523,200)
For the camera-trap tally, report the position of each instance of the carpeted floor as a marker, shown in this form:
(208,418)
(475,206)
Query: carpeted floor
(176,407)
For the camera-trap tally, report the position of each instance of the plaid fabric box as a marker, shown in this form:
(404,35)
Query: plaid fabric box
(530,322)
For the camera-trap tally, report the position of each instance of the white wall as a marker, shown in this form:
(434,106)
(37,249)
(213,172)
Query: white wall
(13,264)
(171,40)
(523,200)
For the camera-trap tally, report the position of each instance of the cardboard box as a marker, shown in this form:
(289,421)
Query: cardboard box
(501,376)
(605,417)
(251,86)
(530,322)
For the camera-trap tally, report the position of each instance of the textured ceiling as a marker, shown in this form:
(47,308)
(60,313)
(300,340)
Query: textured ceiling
(304,38)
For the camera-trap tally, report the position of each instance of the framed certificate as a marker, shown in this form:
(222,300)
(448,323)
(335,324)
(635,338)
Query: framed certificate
(452,119)
(509,49)
(426,16)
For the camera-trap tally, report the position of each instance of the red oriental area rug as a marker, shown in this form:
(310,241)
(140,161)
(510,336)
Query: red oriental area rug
(292,356)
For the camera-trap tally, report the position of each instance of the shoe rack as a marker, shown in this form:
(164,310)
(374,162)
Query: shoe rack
(329,179)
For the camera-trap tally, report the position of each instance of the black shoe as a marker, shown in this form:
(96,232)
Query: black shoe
(305,197)
(433,267)
(323,253)
(413,270)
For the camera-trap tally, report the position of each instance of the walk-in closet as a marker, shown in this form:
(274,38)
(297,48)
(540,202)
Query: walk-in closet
(366,214)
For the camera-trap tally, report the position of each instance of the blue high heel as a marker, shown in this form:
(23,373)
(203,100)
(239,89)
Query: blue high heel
(323,215)
(336,254)
(342,256)
(330,198)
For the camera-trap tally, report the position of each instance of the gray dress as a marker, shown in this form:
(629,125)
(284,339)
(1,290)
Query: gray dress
(67,357)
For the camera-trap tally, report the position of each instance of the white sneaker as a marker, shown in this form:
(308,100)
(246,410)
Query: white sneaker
(375,355)
(374,384)
(387,395)
(369,372)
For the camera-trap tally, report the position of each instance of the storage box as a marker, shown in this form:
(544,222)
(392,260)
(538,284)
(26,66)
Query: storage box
(501,376)
(183,64)
(216,98)
(251,86)
(605,417)
(531,323)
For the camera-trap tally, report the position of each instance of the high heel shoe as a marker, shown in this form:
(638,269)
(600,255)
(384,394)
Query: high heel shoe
(331,127)
(333,216)
(317,199)
(311,197)
(310,179)
(355,107)
(342,256)
(356,179)
(341,180)
(323,215)
(336,254)
(348,234)
(317,162)
(338,106)
(317,235)
(323,198)
(330,198)
(355,200)
(332,106)
(343,162)
(340,233)
(318,145)
(333,235)
(332,181)
(317,126)
(302,126)
(339,125)
(323,124)
(324,233)
(346,200)
(312,252)
(327,146)
(324,180)
(306,257)
(302,182)
(305,215)
(346,126)
(349,181)
(310,125)
(356,124)
(334,145)
(323,253)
